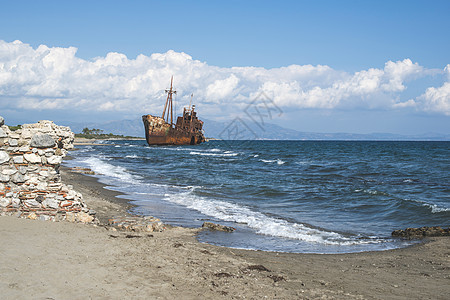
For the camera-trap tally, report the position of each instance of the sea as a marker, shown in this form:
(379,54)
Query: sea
(286,196)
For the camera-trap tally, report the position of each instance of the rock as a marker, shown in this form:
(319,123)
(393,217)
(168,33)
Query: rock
(24,149)
(43,173)
(4,157)
(22,170)
(32,216)
(32,203)
(156,226)
(412,233)
(18,159)
(3,133)
(44,218)
(2,121)
(137,224)
(32,168)
(13,142)
(14,134)
(4,178)
(42,141)
(32,158)
(15,202)
(42,185)
(29,175)
(26,134)
(9,172)
(218,227)
(70,217)
(4,202)
(50,203)
(84,217)
(54,160)
(40,198)
(22,142)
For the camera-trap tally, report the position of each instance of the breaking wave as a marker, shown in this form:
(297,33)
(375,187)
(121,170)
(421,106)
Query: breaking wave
(100,166)
(278,161)
(262,223)
(213,154)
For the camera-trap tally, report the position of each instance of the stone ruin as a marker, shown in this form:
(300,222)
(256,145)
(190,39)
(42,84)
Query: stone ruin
(30,183)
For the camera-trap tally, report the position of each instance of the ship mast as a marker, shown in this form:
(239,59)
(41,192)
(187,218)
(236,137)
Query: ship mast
(190,102)
(169,105)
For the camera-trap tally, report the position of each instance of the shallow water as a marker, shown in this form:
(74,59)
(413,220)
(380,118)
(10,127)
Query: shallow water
(292,196)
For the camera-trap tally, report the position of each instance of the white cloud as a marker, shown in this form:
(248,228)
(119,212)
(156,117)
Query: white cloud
(221,89)
(436,99)
(54,78)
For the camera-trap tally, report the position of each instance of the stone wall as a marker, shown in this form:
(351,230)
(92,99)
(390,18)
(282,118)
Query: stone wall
(30,183)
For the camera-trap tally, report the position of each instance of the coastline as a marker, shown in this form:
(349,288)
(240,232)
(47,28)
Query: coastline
(67,260)
(90,142)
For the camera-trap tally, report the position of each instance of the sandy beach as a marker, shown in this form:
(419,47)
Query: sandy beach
(61,260)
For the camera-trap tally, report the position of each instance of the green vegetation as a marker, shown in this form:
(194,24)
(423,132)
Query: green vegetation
(99,135)
(14,128)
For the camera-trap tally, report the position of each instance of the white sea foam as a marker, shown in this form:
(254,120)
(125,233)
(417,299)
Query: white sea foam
(434,207)
(132,156)
(437,209)
(102,167)
(213,154)
(278,161)
(260,222)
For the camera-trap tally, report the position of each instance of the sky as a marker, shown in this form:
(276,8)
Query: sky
(326,66)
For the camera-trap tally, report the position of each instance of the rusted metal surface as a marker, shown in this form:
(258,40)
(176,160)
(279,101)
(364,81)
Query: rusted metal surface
(187,131)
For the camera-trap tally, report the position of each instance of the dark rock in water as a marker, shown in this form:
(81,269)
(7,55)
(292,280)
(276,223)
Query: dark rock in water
(218,227)
(42,141)
(421,232)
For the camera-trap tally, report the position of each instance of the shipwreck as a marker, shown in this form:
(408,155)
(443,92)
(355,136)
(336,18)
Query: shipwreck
(187,130)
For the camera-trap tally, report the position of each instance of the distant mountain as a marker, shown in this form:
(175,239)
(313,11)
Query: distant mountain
(249,130)
(241,129)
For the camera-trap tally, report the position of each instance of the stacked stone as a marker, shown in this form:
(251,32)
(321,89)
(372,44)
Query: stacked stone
(30,183)
(137,224)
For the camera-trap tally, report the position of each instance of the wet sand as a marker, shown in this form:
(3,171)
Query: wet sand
(45,260)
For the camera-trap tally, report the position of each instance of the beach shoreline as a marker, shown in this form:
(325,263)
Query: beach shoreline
(62,260)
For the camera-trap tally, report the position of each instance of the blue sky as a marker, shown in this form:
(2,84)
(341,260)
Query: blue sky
(354,90)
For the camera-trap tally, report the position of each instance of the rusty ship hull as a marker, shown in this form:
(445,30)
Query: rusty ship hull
(159,132)
(162,131)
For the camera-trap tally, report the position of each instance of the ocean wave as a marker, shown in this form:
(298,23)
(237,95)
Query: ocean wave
(371,192)
(433,207)
(213,154)
(262,223)
(100,166)
(278,161)
(437,209)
